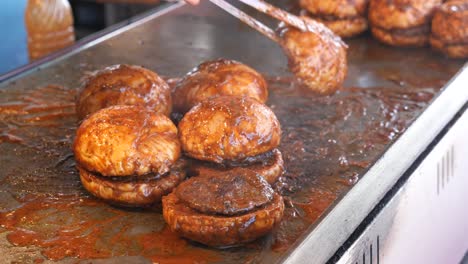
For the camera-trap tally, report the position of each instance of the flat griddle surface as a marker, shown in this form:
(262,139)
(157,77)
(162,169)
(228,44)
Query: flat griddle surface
(328,143)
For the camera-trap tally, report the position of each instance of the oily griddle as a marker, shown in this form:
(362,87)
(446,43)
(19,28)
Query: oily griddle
(328,142)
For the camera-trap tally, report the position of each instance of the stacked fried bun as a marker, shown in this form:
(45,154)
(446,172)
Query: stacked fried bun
(345,18)
(128,155)
(402,22)
(450,29)
(223,209)
(225,132)
(215,78)
(124,85)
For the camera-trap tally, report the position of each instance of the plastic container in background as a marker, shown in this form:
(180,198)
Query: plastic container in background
(49,26)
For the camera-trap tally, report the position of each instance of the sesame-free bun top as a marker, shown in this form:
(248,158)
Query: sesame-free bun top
(450,22)
(126,141)
(215,78)
(336,8)
(229,128)
(401,14)
(226,193)
(124,85)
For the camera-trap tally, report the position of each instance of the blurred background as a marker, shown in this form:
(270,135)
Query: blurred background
(89,16)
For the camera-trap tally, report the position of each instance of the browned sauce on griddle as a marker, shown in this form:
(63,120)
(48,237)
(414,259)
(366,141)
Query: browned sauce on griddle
(82,228)
(21,114)
(327,143)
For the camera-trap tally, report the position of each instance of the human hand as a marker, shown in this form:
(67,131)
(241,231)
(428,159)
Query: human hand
(193,2)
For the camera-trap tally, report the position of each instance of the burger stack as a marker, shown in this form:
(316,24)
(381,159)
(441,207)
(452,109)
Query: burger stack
(130,153)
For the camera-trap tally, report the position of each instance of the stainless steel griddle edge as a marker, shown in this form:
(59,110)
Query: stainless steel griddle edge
(323,241)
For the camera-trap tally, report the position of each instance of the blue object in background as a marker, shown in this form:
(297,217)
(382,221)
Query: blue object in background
(13,47)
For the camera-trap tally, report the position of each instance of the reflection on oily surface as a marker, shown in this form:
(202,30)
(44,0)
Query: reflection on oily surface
(328,142)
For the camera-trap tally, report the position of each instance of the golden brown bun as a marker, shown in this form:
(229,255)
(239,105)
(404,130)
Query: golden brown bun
(124,85)
(218,77)
(227,193)
(402,22)
(126,140)
(270,166)
(219,230)
(401,14)
(450,29)
(133,191)
(229,128)
(336,8)
(345,28)
(402,37)
(317,57)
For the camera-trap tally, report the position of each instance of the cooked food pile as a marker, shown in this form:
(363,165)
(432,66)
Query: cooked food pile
(317,57)
(345,18)
(450,29)
(128,155)
(237,137)
(124,85)
(218,77)
(402,23)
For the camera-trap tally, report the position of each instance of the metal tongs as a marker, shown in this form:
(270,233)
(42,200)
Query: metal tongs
(266,8)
